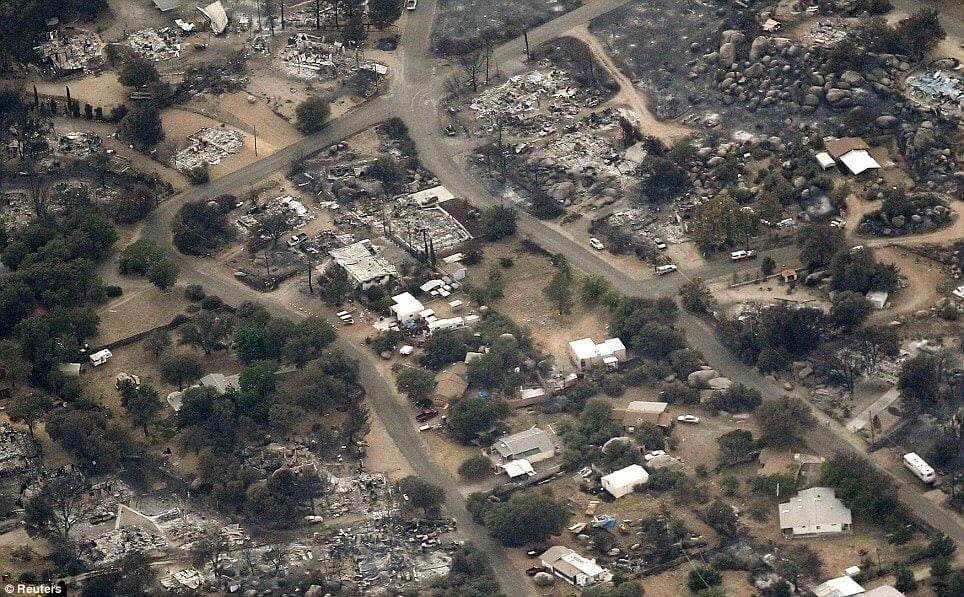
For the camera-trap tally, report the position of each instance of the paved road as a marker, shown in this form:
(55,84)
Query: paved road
(414,97)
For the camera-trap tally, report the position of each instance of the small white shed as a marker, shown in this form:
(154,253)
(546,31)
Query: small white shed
(625,480)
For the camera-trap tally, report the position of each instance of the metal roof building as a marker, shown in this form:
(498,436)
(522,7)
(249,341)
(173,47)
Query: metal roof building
(815,511)
(532,444)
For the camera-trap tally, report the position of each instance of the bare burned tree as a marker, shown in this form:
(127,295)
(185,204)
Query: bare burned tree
(39,188)
(56,508)
(274,225)
(277,556)
(210,549)
(471,63)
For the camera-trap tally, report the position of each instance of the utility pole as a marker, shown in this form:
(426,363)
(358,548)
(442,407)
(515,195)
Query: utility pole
(525,35)
(255,140)
(317,14)
(282,15)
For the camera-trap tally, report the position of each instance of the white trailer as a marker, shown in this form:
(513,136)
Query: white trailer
(100,357)
(919,467)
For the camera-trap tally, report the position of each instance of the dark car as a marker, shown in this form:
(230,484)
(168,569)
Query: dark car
(425,415)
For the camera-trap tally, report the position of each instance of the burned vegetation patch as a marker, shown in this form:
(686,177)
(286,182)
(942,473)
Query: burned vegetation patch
(465,25)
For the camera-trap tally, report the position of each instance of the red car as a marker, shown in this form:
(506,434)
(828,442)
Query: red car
(425,415)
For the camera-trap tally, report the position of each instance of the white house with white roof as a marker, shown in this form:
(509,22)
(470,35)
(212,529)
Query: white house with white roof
(815,511)
(585,353)
(572,567)
(406,307)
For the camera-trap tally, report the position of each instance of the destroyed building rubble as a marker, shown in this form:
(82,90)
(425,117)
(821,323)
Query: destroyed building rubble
(17,451)
(157,45)
(940,89)
(207,147)
(72,51)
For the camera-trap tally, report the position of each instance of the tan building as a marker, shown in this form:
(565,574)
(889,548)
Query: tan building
(641,411)
(450,384)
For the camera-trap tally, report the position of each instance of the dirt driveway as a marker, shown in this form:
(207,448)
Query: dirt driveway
(629,95)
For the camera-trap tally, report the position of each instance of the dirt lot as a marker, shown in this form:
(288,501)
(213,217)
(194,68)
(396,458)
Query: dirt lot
(526,303)
(235,109)
(152,307)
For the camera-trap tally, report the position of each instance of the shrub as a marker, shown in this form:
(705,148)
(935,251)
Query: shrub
(212,303)
(475,467)
(113,291)
(194,292)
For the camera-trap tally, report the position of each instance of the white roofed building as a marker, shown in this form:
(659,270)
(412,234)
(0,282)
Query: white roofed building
(532,444)
(843,586)
(406,307)
(363,267)
(572,567)
(585,353)
(815,511)
(625,480)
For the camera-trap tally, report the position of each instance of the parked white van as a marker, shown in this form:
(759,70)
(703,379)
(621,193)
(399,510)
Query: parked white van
(662,270)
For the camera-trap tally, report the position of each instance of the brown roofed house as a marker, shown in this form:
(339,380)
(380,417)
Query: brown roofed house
(837,148)
(641,411)
(450,384)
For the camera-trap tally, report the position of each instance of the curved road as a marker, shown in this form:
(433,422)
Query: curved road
(414,97)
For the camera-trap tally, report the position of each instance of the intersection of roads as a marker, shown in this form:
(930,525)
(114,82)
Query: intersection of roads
(414,94)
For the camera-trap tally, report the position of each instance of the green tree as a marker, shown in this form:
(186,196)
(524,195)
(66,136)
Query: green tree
(52,512)
(138,257)
(721,517)
(701,578)
(498,222)
(559,290)
(28,409)
(206,330)
(312,114)
(12,361)
(799,560)
(472,415)
(849,309)
(443,348)
(661,179)
(768,266)
(904,581)
(180,369)
(157,342)
(696,297)
(137,72)
(920,379)
(142,126)
(921,32)
(417,383)
(163,273)
(714,223)
(737,446)
(819,243)
(783,420)
(495,285)
(526,518)
(422,494)
(594,288)
(384,12)
(475,467)
(334,285)
(629,588)
(142,402)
